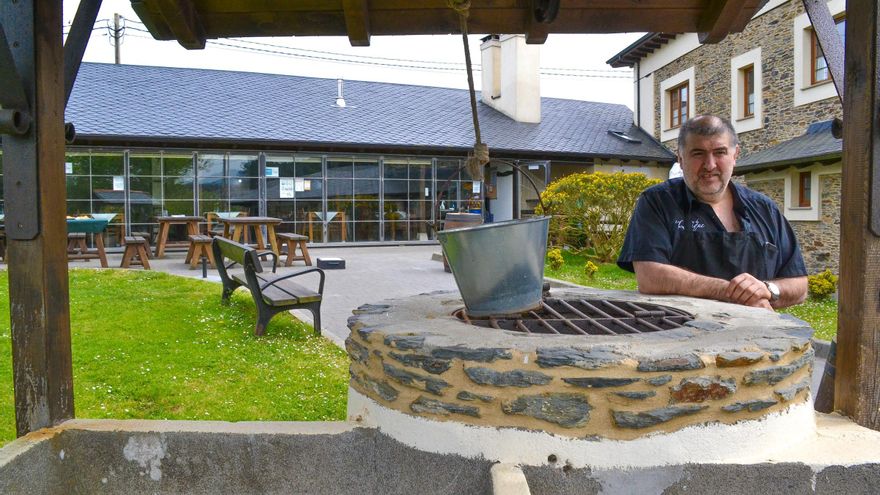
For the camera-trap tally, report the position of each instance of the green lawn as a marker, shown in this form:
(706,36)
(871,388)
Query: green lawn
(820,314)
(154,346)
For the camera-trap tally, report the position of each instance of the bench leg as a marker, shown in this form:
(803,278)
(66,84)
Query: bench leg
(315,308)
(144,257)
(304,251)
(264,314)
(228,289)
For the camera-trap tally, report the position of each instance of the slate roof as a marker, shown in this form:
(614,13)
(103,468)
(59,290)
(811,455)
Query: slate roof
(158,104)
(817,144)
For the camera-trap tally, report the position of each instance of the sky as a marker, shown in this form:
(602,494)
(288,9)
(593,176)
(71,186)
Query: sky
(572,66)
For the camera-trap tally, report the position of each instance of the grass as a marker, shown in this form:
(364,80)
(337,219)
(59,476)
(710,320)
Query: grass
(820,314)
(150,345)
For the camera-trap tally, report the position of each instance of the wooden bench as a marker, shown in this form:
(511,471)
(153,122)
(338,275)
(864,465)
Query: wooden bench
(292,241)
(76,243)
(199,245)
(135,252)
(272,292)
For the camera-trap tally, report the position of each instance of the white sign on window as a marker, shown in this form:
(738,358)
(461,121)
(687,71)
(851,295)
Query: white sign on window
(427,192)
(285,187)
(271,171)
(300,185)
(68,167)
(477,187)
(118,183)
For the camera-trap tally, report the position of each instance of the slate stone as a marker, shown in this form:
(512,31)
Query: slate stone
(470,396)
(703,388)
(432,385)
(551,357)
(752,405)
(382,389)
(599,382)
(515,378)
(371,309)
(432,406)
(482,355)
(365,333)
(776,374)
(645,419)
(659,380)
(789,393)
(733,359)
(566,410)
(637,395)
(679,363)
(356,351)
(427,363)
(710,326)
(405,342)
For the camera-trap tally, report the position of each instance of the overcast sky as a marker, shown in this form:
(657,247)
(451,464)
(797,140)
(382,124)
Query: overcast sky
(572,66)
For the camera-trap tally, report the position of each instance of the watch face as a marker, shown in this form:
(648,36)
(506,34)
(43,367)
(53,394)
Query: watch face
(774,291)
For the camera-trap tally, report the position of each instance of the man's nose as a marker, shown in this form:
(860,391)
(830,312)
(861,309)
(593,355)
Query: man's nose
(709,162)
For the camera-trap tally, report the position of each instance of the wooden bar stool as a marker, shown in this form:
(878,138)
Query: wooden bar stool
(135,253)
(199,245)
(293,240)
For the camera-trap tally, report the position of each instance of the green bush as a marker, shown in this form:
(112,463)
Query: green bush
(591,212)
(555,259)
(822,285)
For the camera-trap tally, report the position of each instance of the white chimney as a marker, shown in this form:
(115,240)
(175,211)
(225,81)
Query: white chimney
(340,96)
(510,77)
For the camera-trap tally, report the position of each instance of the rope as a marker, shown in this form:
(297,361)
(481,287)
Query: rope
(480,156)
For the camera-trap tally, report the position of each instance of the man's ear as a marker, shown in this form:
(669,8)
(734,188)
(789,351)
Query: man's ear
(736,153)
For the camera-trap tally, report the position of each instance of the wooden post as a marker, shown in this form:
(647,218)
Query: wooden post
(857,382)
(38,289)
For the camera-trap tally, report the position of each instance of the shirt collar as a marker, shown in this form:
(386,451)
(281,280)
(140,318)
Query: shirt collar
(687,200)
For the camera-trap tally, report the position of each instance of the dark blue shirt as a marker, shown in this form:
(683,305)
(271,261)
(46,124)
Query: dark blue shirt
(671,226)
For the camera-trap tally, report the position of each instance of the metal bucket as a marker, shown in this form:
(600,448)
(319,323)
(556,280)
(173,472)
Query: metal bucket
(498,267)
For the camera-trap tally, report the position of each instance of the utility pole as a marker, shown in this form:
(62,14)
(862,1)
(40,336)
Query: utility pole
(117,36)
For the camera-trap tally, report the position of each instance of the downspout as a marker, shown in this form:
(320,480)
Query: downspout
(638,94)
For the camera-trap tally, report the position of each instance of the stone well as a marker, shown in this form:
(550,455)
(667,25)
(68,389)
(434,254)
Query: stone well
(732,380)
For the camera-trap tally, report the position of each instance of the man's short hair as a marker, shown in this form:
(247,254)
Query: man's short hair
(706,125)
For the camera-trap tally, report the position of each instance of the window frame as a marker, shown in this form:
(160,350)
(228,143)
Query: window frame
(748,89)
(816,52)
(805,189)
(675,104)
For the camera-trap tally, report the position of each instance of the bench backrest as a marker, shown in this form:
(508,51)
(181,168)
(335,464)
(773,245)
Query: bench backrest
(245,256)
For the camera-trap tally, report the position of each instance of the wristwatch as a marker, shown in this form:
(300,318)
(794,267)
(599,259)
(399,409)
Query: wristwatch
(774,290)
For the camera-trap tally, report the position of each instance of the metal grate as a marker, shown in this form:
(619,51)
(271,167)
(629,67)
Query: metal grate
(586,317)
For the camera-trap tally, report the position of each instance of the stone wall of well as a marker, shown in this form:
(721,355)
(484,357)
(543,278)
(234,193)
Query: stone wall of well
(582,392)
(781,119)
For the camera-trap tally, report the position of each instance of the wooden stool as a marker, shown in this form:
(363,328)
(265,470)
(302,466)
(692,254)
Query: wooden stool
(146,236)
(76,242)
(199,245)
(293,240)
(135,252)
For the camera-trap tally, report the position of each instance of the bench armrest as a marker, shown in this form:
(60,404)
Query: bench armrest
(297,274)
(271,253)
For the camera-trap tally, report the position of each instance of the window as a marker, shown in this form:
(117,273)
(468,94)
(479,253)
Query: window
(805,180)
(748,88)
(818,66)
(678,105)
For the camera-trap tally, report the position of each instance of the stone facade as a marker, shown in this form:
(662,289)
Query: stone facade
(730,364)
(781,119)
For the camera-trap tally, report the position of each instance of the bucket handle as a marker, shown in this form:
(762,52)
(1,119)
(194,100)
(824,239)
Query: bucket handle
(493,160)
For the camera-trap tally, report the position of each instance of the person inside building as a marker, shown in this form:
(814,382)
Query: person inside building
(701,235)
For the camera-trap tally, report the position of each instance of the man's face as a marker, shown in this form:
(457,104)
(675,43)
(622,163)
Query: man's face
(707,163)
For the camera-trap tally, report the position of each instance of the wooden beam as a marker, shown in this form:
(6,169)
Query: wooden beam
(536,32)
(718,18)
(357,21)
(38,293)
(829,40)
(857,381)
(182,18)
(77,41)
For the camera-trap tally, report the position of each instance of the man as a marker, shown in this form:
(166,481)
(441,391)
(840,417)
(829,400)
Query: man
(701,235)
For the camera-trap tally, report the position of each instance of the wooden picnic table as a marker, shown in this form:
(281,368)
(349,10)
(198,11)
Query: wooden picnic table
(88,226)
(165,223)
(238,225)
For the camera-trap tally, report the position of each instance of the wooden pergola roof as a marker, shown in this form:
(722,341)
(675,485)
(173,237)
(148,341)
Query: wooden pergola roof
(192,22)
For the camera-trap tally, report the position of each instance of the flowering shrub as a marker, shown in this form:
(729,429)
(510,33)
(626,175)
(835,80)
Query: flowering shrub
(822,285)
(591,212)
(554,257)
(590,269)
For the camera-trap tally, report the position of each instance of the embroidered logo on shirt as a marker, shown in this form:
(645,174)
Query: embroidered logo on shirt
(696,225)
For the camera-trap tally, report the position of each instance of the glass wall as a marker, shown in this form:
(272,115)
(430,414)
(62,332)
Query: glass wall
(328,197)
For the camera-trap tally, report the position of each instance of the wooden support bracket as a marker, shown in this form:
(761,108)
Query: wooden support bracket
(357,21)
(15,115)
(183,19)
(715,23)
(77,41)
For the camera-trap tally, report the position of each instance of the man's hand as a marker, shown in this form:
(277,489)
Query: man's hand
(749,291)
